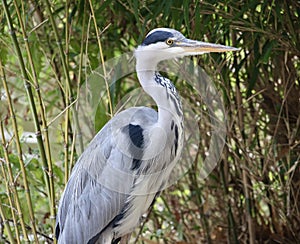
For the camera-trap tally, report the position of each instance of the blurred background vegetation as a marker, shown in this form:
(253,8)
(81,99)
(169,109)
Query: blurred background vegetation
(48,49)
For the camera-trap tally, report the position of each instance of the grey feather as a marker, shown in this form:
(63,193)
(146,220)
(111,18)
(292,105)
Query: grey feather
(98,189)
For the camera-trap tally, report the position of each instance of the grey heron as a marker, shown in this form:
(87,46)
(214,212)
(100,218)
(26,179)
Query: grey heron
(128,163)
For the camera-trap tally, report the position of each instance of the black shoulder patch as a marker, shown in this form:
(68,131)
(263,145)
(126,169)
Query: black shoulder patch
(119,217)
(57,231)
(157,36)
(94,239)
(116,241)
(172,124)
(176,132)
(136,163)
(136,135)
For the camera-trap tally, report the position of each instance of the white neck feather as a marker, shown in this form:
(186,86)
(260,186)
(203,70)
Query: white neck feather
(161,90)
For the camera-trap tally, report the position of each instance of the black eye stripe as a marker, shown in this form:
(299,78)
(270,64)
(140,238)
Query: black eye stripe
(157,36)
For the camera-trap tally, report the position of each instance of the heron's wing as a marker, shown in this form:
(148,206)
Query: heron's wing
(99,183)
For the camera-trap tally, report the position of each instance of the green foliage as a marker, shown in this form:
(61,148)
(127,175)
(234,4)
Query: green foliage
(252,196)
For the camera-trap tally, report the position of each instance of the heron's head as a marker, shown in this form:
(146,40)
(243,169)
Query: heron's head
(164,43)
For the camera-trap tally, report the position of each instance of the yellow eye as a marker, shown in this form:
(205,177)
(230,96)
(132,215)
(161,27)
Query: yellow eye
(170,42)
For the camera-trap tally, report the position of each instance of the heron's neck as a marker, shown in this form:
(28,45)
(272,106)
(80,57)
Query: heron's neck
(161,90)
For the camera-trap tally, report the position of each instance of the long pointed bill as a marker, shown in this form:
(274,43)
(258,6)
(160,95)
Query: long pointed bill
(192,46)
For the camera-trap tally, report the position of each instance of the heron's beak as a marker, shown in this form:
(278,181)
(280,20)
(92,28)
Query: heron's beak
(192,46)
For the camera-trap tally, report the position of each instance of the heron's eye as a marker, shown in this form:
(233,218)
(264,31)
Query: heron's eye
(170,42)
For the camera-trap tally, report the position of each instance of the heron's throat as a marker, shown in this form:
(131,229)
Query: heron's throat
(162,91)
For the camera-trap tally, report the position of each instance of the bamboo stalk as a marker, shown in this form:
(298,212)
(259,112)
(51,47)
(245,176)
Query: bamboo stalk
(79,133)
(68,91)
(10,174)
(27,86)
(48,171)
(245,178)
(67,99)
(102,59)
(199,197)
(9,191)
(66,138)
(232,233)
(6,225)
(248,207)
(82,44)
